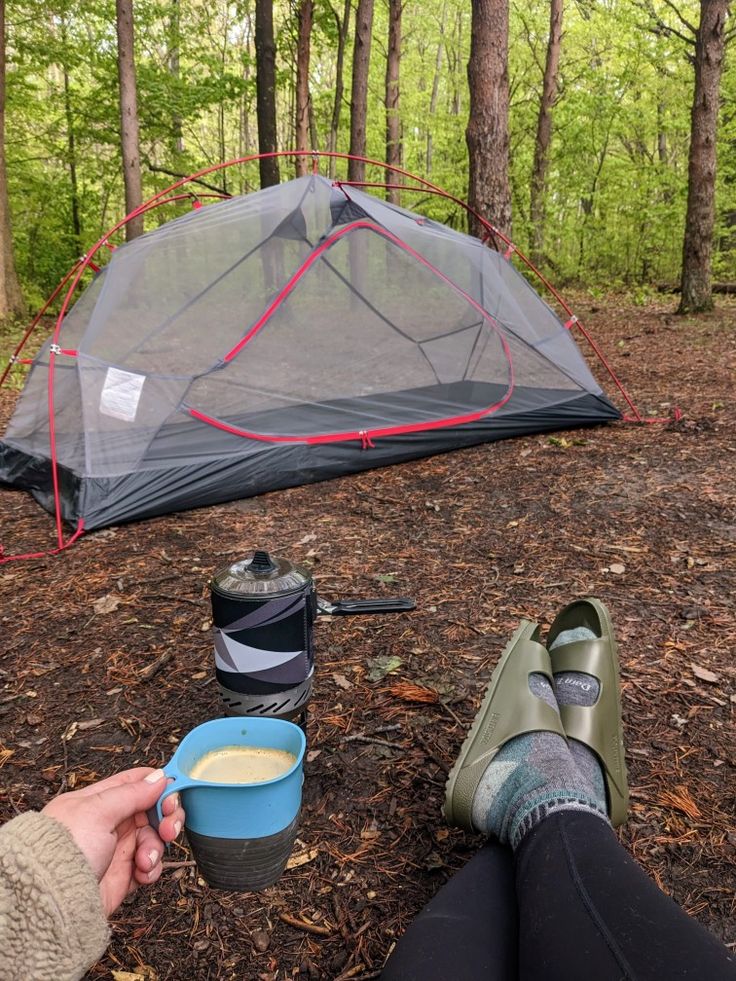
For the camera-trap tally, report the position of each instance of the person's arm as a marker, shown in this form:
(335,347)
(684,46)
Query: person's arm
(52,924)
(63,871)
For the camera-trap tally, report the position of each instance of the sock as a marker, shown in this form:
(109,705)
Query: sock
(578,688)
(531,777)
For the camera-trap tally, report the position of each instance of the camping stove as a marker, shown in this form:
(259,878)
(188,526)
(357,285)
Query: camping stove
(263,612)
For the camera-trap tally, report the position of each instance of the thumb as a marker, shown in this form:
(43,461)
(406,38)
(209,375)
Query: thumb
(117,804)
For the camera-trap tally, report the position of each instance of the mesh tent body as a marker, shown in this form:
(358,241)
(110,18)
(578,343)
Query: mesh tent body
(297,333)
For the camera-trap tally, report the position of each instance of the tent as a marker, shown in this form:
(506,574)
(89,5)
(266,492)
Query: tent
(297,333)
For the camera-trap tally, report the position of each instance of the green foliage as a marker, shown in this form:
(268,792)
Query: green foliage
(617,183)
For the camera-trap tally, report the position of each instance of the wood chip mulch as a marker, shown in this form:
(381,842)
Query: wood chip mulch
(106,657)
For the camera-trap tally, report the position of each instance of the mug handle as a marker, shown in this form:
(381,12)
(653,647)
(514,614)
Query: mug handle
(180,782)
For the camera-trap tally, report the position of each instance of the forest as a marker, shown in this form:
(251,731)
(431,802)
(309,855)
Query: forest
(414,427)
(588,129)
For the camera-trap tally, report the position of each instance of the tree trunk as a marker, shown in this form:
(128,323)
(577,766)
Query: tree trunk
(435,90)
(177,137)
(306,9)
(266,92)
(487,133)
(129,117)
(697,248)
(342,34)
(537,205)
(393,118)
(359,97)
(11,298)
(70,143)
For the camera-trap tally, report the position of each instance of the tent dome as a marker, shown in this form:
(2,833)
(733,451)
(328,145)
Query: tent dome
(297,333)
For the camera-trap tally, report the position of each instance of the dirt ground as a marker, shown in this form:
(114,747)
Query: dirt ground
(641,516)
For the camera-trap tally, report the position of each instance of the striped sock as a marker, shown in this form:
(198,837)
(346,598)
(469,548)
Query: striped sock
(532,776)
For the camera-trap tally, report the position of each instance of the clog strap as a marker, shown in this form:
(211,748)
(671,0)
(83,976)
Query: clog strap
(588,723)
(532,714)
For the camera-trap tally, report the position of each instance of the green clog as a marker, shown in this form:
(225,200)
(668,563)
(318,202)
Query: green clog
(597,726)
(509,709)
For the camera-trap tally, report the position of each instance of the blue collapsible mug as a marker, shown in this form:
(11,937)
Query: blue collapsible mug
(241,834)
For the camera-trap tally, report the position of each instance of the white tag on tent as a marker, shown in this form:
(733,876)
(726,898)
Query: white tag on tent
(121,394)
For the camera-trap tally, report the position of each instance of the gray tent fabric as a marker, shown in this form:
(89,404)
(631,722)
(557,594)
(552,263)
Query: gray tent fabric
(294,334)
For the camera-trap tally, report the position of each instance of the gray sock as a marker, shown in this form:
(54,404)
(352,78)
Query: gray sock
(578,688)
(531,777)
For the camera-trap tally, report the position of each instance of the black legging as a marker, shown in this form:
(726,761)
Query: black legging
(571,905)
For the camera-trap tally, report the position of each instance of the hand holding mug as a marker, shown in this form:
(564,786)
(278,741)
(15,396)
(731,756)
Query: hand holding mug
(108,822)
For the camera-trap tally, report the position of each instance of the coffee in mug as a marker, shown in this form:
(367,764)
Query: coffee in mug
(242,764)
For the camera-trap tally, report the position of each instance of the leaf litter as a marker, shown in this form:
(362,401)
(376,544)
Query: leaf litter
(515,529)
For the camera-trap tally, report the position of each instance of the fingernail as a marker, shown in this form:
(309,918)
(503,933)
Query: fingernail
(154,777)
(177,826)
(176,801)
(153,857)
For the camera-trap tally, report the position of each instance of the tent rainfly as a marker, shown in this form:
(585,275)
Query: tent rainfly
(294,334)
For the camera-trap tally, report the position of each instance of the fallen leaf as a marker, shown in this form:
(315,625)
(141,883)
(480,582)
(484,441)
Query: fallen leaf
(382,665)
(107,603)
(617,568)
(313,754)
(144,971)
(261,939)
(341,681)
(89,724)
(301,858)
(70,731)
(704,674)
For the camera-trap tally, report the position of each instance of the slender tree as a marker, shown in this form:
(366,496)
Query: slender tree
(70,142)
(435,89)
(393,119)
(538,190)
(342,35)
(359,97)
(266,91)
(710,42)
(129,140)
(487,133)
(11,298)
(177,136)
(306,10)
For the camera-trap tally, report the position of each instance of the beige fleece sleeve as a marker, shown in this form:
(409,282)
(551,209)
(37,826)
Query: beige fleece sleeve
(52,925)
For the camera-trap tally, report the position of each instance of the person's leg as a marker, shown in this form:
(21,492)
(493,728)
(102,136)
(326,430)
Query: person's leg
(468,931)
(588,910)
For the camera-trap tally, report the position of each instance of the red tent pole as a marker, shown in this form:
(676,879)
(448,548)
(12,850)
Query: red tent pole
(36,320)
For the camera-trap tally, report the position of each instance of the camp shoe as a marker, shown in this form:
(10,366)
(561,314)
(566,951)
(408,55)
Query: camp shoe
(509,709)
(597,726)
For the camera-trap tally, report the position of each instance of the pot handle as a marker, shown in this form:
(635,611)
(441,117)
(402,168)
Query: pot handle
(346,608)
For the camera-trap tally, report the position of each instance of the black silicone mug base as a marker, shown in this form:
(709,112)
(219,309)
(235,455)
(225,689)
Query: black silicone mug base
(242,864)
